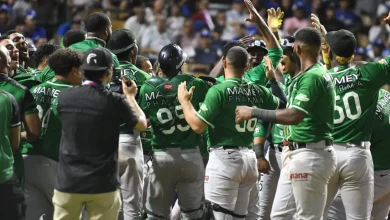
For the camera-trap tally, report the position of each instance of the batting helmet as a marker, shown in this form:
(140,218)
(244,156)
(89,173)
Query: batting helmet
(171,58)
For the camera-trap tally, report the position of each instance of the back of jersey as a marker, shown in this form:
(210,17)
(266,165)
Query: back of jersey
(158,99)
(218,111)
(356,97)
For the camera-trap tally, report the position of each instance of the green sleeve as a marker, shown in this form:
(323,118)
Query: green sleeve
(142,100)
(260,130)
(54,109)
(29,105)
(257,75)
(269,101)
(201,88)
(210,107)
(116,61)
(377,72)
(309,90)
(220,78)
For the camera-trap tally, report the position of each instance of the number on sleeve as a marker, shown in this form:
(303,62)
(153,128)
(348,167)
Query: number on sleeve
(164,116)
(348,98)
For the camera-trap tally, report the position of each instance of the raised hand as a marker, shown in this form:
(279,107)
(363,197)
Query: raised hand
(182,93)
(129,87)
(317,25)
(254,15)
(246,40)
(275,18)
(269,68)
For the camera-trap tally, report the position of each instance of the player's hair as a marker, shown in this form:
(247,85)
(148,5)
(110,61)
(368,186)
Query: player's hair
(231,44)
(344,60)
(4,37)
(308,36)
(64,59)
(43,52)
(140,61)
(11,32)
(124,55)
(94,75)
(72,37)
(97,22)
(237,57)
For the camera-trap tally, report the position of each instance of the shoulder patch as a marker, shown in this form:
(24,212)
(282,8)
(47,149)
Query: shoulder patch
(203,107)
(302,97)
(382,61)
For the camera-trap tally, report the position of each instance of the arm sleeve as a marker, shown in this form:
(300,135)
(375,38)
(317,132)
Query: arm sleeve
(29,107)
(54,109)
(377,72)
(260,129)
(309,90)
(277,91)
(201,88)
(210,107)
(269,101)
(15,120)
(126,112)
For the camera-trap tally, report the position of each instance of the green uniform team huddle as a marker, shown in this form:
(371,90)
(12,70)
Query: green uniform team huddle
(342,104)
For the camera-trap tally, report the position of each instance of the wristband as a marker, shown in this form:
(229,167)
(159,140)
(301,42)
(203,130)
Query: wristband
(325,57)
(259,150)
(273,80)
(265,115)
(274,30)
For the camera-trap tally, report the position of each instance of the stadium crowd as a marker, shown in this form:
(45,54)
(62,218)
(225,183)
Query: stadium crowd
(179,109)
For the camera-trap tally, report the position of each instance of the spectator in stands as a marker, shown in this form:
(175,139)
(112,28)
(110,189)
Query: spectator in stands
(360,54)
(220,22)
(298,21)
(286,6)
(240,32)
(346,15)
(65,27)
(74,36)
(32,30)
(155,38)
(175,21)
(188,39)
(202,17)
(157,10)
(144,64)
(205,54)
(330,21)
(378,47)
(6,22)
(383,8)
(92,137)
(234,17)
(379,27)
(137,24)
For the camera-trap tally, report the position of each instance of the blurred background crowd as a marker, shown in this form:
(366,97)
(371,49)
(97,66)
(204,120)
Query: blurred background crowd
(200,27)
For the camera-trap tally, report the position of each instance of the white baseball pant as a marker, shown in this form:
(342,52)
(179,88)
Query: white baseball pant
(269,183)
(381,206)
(231,182)
(40,176)
(302,186)
(180,171)
(131,168)
(354,178)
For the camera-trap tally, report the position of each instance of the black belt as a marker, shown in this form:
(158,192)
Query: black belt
(300,145)
(229,147)
(278,146)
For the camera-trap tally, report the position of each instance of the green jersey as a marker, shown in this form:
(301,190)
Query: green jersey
(380,137)
(44,95)
(158,99)
(10,117)
(218,111)
(257,74)
(89,43)
(356,97)
(311,92)
(27,106)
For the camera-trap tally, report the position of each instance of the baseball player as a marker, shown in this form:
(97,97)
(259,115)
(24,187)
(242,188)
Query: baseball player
(380,154)
(290,67)
(41,165)
(27,107)
(177,165)
(308,157)
(356,96)
(123,44)
(258,49)
(231,172)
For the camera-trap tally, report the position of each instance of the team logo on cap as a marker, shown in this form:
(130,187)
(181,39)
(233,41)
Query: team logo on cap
(91,56)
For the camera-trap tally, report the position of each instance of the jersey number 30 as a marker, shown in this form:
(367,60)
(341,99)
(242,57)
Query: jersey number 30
(348,98)
(164,116)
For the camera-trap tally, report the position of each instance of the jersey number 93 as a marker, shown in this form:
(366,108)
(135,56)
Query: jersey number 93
(164,115)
